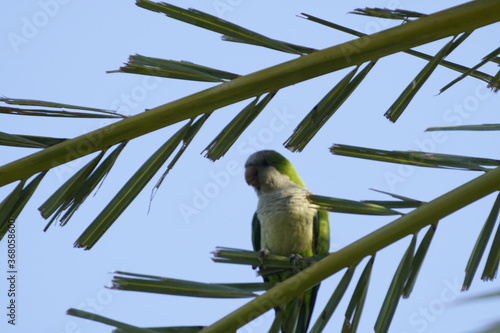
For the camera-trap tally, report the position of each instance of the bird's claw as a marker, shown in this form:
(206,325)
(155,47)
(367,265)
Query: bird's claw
(295,258)
(263,254)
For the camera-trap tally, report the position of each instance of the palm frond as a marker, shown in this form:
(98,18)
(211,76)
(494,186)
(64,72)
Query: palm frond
(58,112)
(393,14)
(483,127)
(357,302)
(213,23)
(13,204)
(108,321)
(349,206)
(411,90)
(333,302)
(183,70)
(328,105)
(191,132)
(403,202)
(228,136)
(486,59)
(171,329)
(27,141)
(130,190)
(418,259)
(71,195)
(423,159)
(408,224)
(448,23)
(453,66)
(395,289)
(481,243)
(162,285)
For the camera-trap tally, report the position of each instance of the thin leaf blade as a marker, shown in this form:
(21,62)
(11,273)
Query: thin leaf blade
(333,302)
(349,206)
(397,108)
(395,290)
(232,131)
(481,243)
(129,191)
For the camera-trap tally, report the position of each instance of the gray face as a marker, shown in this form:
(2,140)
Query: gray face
(262,175)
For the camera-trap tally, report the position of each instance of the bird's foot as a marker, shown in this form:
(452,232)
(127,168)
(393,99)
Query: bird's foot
(295,258)
(264,253)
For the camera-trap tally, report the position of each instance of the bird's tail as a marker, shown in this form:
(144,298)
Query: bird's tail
(297,313)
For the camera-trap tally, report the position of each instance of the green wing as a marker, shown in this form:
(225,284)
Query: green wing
(321,245)
(321,233)
(256,233)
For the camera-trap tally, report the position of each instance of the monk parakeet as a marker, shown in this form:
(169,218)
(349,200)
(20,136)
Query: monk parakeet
(286,224)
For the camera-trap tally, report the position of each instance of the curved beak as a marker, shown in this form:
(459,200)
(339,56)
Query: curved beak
(252,176)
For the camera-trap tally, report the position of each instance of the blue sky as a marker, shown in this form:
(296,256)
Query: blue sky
(59,51)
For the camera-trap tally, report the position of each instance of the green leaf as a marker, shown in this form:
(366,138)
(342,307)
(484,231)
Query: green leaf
(13,140)
(328,105)
(298,48)
(390,204)
(395,14)
(486,59)
(494,84)
(192,131)
(13,204)
(423,159)
(172,329)
(349,206)
(61,198)
(357,302)
(480,246)
(456,67)
(411,90)
(228,136)
(484,127)
(418,259)
(333,302)
(161,285)
(272,261)
(213,23)
(97,113)
(278,320)
(6,208)
(491,267)
(139,64)
(395,290)
(404,202)
(129,191)
(92,182)
(107,321)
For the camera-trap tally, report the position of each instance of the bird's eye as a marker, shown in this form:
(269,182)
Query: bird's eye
(265,163)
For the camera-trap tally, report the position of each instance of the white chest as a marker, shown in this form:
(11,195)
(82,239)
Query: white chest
(286,221)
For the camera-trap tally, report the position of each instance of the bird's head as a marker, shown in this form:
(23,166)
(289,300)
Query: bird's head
(267,170)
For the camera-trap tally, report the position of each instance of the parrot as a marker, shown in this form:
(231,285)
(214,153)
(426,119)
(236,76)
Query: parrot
(285,223)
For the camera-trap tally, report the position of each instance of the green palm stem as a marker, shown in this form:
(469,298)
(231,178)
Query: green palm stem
(350,255)
(449,22)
